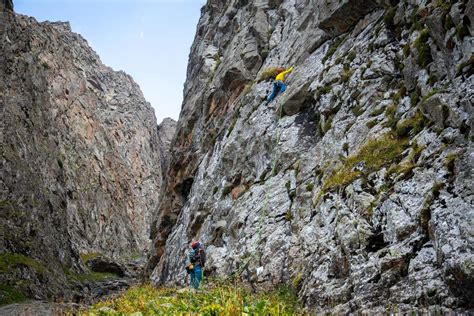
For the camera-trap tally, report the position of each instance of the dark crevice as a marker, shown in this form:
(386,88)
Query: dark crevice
(376,241)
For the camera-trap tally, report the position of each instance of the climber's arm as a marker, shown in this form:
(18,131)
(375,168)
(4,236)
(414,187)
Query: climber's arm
(288,70)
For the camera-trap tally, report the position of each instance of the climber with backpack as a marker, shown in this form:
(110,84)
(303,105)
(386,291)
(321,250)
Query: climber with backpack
(197,260)
(279,85)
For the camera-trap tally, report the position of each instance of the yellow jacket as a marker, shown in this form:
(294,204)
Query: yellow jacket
(281,75)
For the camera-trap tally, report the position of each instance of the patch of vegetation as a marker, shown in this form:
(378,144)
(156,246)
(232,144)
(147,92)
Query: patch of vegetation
(399,65)
(406,50)
(297,280)
(345,147)
(346,73)
(388,17)
(351,56)
(90,276)
(412,125)
(232,125)
(371,123)
(377,112)
(449,162)
(437,186)
(332,49)
(86,257)
(9,261)
(9,295)
(214,190)
(414,98)
(326,126)
(469,64)
(448,22)
(322,90)
(247,88)
(275,168)
(218,60)
(443,4)
(288,216)
(358,110)
(432,80)
(309,186)
(424,51)
(461,31)
(373,155)
(268,73)
(430,94)
(415,20)
(212,299)
(400,169)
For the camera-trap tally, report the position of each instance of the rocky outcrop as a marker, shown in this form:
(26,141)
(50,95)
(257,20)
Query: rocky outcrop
(81,161)
(354,186)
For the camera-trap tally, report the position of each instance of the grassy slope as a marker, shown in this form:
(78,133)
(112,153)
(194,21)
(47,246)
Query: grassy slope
(212,299)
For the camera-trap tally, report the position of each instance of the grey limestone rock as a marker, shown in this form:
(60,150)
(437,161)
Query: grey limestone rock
(354,186)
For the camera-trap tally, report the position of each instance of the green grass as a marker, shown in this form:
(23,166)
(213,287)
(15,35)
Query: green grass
(374,154)
(332,49)
(10,261)
(467,64)
(389,15)
(92,276)
(371,123)
(85,257)
(213,299)
(412,125)
(358,110)
(322,90)
(9,295)
(424,51)
(430,94)
(346,74)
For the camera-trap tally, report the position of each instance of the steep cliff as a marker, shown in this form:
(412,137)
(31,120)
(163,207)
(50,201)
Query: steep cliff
(355,185)
(81,161)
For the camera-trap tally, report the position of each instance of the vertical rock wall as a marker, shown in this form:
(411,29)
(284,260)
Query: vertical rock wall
(81,159)
(354,186)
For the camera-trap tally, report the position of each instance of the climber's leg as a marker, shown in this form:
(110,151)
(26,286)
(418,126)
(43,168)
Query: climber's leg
(274,91)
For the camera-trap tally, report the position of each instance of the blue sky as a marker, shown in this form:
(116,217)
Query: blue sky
(149,39)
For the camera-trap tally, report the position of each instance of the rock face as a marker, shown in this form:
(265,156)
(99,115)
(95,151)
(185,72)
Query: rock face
(355,185)
(81,159)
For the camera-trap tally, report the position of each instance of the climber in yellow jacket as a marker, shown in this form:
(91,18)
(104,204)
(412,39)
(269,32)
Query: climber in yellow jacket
(278,85)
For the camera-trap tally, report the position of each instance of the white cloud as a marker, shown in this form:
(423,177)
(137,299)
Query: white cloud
(142,35)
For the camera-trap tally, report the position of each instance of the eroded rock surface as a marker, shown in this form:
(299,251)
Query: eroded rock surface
(355,185)
(81,161)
